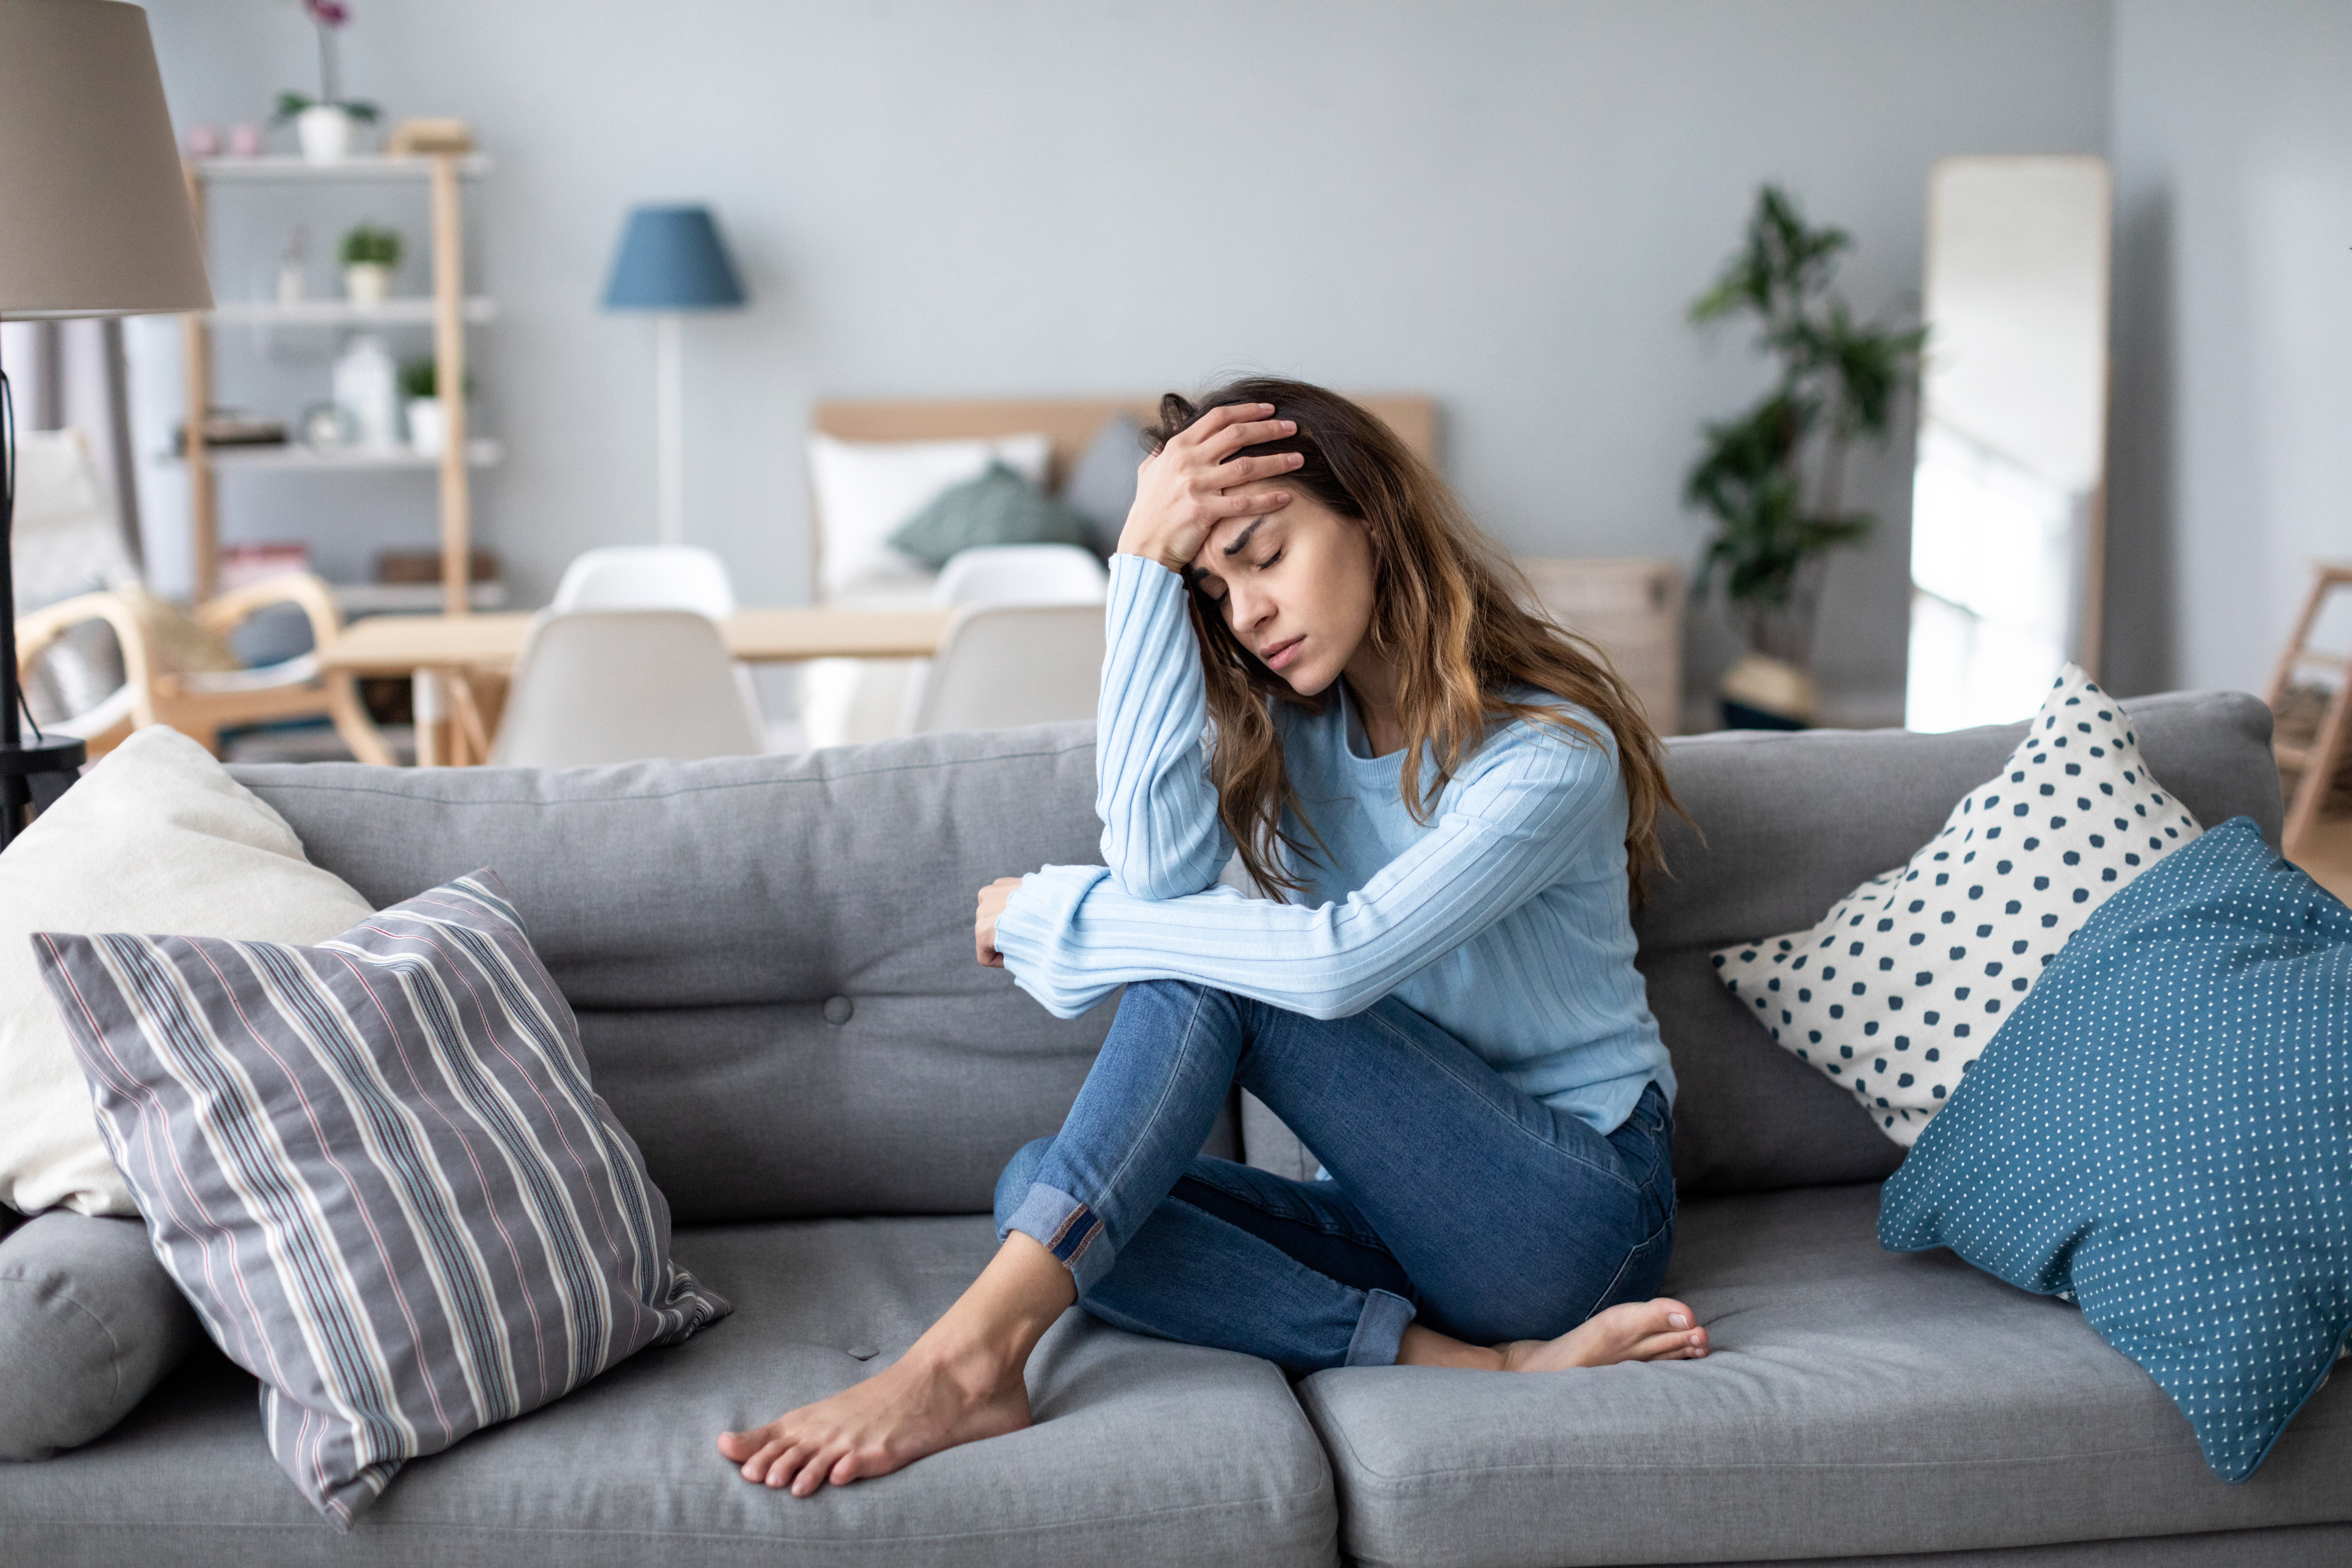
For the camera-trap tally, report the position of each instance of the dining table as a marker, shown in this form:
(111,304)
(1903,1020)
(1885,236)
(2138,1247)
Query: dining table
(452,658)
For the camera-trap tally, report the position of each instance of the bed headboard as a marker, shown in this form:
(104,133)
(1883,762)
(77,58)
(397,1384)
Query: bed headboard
(1069,423)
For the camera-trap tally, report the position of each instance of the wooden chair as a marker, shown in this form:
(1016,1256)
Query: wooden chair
(202,704)
(2319,762)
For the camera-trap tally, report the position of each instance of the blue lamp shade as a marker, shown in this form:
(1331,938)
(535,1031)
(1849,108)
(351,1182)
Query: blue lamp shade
(671,259)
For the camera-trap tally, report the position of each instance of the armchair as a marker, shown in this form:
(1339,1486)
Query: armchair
(201,703)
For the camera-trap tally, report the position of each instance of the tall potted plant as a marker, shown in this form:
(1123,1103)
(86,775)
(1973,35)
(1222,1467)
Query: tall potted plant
(1773,477)
(323,124)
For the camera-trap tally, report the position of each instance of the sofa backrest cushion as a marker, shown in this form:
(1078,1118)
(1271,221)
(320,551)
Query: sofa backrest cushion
(772,957)
(1792,823)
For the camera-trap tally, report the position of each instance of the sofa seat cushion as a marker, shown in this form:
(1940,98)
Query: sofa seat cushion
(1858,1402)
(1144,1452)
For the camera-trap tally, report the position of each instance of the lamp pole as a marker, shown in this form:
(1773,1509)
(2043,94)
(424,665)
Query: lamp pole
(671,260)
(669,417)
(19,763)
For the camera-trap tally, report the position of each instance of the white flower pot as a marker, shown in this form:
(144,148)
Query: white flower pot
(426,432)
(325,132)
(367,282)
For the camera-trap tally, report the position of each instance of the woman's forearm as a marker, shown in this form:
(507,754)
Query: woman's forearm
(1161,835)
(1549,812)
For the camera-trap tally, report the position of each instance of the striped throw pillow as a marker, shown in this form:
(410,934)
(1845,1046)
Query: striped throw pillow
(377,1168)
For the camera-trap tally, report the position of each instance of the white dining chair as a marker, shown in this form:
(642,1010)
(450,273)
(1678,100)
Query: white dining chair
(648,577)
(666,577)
(1004,664)
(1022,574)
(1032,576)
(616,686)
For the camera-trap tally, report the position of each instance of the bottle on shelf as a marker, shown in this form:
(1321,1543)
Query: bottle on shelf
(367,388)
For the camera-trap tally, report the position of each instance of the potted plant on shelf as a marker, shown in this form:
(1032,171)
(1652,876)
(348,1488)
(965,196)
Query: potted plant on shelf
(420,392)
(324,124)
(1773,477)
(369,256)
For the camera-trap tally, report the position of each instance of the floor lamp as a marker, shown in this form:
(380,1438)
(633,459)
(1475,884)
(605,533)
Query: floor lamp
(94,221)
(671,262)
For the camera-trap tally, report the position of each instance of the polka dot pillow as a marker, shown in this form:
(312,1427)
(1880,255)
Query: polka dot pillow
(1901,986)
(2164,1134)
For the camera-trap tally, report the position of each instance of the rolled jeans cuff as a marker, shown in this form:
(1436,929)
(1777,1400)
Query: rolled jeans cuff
(1068,1229)
(1381,1329)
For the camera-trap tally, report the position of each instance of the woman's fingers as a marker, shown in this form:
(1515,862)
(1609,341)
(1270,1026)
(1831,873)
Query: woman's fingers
(1221,444)
(984,920)
(1179,490)
(1248,470)
(1252,503)
(1224,417)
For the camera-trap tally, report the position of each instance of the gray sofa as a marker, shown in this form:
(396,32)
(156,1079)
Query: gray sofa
(772,962)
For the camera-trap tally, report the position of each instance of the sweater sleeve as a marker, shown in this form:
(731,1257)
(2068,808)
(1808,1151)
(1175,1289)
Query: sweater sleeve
(1524,817)
(1161,836)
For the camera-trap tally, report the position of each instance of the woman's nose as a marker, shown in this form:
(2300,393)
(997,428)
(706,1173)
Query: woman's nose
(1251,609)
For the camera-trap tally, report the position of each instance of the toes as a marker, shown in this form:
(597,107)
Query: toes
(779,1471)
(1680,1345)
(756,1467)
(740,1446)
(817,1467)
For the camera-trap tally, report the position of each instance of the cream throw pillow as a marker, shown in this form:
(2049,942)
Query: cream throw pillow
(158,840)
(1903,984)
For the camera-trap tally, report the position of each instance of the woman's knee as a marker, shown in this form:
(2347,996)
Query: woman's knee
(1020,1173)
(1164,1005)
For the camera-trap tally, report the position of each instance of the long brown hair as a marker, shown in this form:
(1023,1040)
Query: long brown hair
(1447,607)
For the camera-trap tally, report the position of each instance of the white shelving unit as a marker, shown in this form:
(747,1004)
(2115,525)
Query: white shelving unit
(412,312)
(480,453)
(247,170)
(447,310)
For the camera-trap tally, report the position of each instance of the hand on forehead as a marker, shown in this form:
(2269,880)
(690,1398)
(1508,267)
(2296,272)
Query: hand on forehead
(1226,535)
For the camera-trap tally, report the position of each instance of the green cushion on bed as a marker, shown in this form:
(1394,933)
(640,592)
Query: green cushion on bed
(1000,507)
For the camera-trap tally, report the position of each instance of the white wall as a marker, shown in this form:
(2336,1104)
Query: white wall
(2232,143)
(1507,206)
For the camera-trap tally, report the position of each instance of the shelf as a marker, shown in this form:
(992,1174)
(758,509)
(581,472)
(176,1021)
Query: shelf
(479,454)
(410,598)
(404,310)
(263,171)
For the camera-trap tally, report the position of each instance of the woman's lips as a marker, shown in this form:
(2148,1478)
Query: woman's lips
(1283,652)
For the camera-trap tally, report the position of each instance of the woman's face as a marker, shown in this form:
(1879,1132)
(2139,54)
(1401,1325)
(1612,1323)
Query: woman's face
(1296,585)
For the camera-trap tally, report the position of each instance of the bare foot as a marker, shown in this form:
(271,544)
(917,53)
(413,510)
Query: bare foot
(958,1384)
(922,1405)
(1662,1329)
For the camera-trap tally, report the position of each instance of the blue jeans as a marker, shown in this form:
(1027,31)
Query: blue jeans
(1452,1197)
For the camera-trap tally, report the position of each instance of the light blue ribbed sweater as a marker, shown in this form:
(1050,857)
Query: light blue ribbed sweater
(1504,921)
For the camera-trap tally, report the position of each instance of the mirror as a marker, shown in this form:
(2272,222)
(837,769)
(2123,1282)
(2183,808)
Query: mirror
(2008,494)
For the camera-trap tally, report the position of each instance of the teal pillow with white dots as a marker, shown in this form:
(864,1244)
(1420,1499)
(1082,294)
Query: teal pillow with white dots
(2164,1132)
(1900,987)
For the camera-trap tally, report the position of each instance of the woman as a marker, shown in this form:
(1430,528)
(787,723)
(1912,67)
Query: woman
(1449,802)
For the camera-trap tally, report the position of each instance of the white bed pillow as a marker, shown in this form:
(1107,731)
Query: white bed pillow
(157,838)
(1904,983)
(865,489)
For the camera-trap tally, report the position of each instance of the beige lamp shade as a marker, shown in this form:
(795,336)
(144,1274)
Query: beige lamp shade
(94,216)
